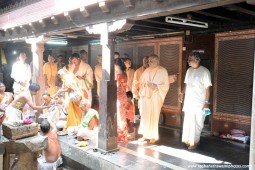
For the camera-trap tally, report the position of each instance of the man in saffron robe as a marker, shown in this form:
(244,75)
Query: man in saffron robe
(50,72)
(154,85)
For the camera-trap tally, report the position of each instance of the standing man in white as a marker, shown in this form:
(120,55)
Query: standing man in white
(21,73)
(197,93)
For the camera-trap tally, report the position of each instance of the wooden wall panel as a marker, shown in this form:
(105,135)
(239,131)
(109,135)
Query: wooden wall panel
(142,51)
(94,51)
(127,50)
(169,59)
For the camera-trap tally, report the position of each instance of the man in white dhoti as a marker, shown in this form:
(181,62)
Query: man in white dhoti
(21,73)
(84,74)
(197,93)
(154,85)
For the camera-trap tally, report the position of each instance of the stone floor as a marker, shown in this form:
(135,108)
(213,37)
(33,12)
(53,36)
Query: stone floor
(167,153)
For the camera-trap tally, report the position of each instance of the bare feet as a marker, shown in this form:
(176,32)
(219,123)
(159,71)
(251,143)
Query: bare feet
(191,147)
(186,143)
(152,141)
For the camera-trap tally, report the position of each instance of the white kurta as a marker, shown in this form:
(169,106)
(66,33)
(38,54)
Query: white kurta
(84,70)
(151,101)
(196,80)
(20,72)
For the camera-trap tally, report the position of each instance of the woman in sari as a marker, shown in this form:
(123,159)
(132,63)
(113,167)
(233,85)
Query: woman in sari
(121,78)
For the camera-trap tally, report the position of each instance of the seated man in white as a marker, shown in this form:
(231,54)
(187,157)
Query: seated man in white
(88,129)
(53,112)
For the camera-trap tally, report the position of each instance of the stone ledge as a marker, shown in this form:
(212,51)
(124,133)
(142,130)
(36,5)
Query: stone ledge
(85,155)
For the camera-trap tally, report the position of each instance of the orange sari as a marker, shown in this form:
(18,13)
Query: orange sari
(121,110)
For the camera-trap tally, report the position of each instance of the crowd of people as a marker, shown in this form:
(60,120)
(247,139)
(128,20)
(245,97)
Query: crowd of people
(67,98)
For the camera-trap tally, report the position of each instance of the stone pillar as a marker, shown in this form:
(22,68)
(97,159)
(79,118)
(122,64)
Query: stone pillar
(107,137)
(37,48)
(22,153)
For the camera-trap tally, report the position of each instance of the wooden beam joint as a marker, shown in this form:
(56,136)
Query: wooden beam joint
(68,16)
(104,7)
(54,20)
(128,3)
(42,22)
(84,12)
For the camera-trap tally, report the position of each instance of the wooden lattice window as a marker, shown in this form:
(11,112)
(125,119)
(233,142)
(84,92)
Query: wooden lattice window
(169,59)
(234,84)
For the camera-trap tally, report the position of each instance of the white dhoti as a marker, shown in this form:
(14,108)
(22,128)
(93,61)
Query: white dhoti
(192,126)
(13,115)
(43,165)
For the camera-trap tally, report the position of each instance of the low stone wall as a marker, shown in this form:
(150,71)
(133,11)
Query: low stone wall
(86,157)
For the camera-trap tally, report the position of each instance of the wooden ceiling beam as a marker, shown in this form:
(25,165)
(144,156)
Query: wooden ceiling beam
(128,3)
(32,26)
(24,29)
(252,2)
(142,10)
(239,9)
(10,31)
(42,23)
(2,32)
(84,12)
(215,16)
(54,20)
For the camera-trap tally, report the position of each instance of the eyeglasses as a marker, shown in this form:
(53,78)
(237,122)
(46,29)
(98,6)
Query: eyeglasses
(189,60)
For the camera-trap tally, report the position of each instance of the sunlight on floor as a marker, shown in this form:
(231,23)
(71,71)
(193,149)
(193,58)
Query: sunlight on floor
(186,155)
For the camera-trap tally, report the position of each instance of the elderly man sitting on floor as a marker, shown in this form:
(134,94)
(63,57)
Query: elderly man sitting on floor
(88,129)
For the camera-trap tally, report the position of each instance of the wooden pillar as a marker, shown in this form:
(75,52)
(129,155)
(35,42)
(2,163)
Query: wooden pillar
(107,136)
(252,139)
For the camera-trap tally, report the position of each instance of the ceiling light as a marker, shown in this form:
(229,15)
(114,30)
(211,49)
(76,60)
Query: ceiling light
(57,42)
(182,21)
